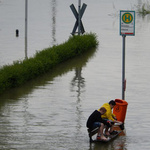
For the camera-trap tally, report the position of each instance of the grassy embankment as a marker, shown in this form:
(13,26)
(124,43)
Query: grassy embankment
(22,71)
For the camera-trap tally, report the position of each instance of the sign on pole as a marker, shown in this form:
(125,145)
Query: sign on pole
(78,15)
(127,22)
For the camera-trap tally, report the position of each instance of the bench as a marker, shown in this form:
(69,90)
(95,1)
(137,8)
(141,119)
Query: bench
(91,133)
(95,131)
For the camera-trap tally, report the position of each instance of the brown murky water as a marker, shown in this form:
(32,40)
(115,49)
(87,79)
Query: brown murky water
(50,112)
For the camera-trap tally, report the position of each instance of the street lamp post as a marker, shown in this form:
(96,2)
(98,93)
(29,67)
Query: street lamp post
(26,28)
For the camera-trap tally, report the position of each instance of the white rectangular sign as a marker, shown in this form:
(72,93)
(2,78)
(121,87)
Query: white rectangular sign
(127,22)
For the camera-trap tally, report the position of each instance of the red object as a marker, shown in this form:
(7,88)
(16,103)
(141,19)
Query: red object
(120,109)
(125,85)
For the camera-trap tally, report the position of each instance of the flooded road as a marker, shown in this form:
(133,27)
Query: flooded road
(50,112)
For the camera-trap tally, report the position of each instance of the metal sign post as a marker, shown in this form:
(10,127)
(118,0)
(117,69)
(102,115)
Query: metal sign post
(127,28)
(78,15)
(26,28)
(123,68)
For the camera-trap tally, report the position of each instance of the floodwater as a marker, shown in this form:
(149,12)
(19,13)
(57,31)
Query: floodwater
(50,112)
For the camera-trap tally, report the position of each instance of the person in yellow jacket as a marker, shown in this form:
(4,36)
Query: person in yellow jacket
(110,117)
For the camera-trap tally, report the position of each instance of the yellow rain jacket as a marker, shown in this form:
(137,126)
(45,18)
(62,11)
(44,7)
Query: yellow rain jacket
(108,115)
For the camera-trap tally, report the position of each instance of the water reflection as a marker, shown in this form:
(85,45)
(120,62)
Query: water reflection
(53,4)
(139,2)
(18,118)
(77,84)
(78,81)
(12,129)
(118,144)
(59,70)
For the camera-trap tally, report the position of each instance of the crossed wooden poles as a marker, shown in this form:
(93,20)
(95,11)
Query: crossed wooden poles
(78,16)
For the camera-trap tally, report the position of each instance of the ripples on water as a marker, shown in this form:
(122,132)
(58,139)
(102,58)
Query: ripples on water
(50,112)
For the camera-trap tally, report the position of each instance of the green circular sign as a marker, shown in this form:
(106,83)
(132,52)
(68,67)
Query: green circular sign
(127,18)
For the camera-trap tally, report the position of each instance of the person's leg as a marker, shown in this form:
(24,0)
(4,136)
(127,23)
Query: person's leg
(112,131)
(100,135)
(106,131)
(109,130)
(100,132)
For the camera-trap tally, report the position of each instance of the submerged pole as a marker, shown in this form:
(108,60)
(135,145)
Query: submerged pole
(26,28)
(123,67)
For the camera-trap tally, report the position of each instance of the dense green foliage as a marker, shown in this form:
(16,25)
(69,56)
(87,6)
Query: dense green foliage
(23,71)
(144,10)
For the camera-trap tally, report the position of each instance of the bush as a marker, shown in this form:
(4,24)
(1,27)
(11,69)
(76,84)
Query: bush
(144,9)
(23,71)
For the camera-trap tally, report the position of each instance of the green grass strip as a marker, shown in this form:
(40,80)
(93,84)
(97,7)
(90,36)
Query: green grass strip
(22,71)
